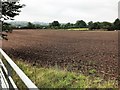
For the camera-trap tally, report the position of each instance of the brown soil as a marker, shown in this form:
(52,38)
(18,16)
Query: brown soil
(79,51)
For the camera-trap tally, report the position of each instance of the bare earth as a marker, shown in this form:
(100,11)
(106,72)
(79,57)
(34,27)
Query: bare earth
(78,51)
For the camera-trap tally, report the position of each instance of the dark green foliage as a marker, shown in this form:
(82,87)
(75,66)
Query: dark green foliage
(7,27)
(30,25)
(90,25)
(95,25)
(37,26)
(67,26)
(101,25)
(106,25)
(81,24)
(11,9)
(116,24)
(54,25)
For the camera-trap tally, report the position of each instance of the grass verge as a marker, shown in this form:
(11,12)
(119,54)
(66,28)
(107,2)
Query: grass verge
(56,78)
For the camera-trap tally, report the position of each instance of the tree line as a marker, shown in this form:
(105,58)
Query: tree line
(79,24)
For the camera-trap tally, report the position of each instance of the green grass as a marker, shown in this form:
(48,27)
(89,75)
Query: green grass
(56,78)
(79,29)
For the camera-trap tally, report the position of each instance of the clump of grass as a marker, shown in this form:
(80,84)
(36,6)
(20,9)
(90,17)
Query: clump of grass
(56,78)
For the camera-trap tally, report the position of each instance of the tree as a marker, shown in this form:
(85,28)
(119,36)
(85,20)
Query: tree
(68,25)
(106,25)
(90,25)
(116,24)
(30,25)
(81,24)
(95,25)
(55,25)
(9,11)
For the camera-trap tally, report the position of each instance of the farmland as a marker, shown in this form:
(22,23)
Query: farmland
(77,51)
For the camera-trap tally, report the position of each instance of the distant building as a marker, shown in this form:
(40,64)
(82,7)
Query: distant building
(119,9)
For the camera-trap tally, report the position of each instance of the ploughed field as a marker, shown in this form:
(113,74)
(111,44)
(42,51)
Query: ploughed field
(79,51)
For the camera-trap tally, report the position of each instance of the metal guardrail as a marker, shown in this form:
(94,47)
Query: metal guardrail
(5,74)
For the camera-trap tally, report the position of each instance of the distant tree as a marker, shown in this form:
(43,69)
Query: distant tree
(116,24)
(95,25)
(106,25)
(62,26)
(38,26)
(30,25)
(80,24)
(55,25)
(68,25)
(90,25)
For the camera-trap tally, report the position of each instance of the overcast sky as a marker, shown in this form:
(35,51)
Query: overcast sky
(68,10)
